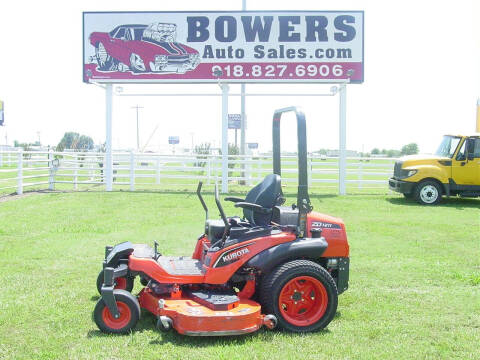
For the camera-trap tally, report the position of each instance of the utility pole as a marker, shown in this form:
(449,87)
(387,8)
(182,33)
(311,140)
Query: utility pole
(136,107)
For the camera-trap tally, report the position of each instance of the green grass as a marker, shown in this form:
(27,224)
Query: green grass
(414,287)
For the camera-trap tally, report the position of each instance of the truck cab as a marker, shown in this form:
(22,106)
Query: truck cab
(454,170)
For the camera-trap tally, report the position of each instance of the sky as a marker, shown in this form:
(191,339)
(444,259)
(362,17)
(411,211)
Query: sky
(422,80)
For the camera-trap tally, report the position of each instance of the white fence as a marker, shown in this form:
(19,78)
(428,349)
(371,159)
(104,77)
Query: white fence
(24,169)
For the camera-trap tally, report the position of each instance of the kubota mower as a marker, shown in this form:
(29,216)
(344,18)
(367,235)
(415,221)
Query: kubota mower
(278,265)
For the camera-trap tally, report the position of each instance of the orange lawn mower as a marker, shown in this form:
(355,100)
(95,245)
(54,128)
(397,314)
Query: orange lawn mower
(278,265)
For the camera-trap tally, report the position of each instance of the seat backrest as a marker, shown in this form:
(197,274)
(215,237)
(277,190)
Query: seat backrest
(267,194)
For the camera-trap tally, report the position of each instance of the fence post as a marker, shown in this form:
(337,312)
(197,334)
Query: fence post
(20,172)
(248,171)
(158,170)
(51,178)
(132,171)
(309,171)
(209,170)
(360,174)
(75,173)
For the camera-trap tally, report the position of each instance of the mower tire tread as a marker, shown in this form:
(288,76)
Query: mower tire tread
(272,285)
(125,301)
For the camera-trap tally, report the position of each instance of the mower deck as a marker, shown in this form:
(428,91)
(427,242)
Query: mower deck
(192,318)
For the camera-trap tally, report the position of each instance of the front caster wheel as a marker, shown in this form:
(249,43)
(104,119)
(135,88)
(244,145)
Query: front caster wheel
(129,310)
(301,294)
(122,283)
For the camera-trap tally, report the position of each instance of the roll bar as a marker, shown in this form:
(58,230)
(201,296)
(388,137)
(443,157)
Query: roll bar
(303,200)
(200,197)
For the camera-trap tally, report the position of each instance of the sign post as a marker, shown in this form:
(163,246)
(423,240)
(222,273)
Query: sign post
(235,122)
(108,176)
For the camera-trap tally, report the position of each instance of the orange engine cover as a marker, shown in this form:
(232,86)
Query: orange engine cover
(333,230)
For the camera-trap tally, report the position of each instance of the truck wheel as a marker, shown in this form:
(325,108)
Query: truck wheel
(428,192)
(128,308)
(301,294)
(122,283)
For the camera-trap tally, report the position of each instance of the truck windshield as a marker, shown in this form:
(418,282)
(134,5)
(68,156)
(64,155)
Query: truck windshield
(448,146)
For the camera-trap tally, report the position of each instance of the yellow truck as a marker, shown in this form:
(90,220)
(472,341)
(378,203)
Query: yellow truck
(454,170)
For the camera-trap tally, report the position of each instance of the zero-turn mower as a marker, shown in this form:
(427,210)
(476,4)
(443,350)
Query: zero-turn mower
(278,265)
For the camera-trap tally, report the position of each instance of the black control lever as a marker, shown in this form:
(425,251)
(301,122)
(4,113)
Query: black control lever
(222,214)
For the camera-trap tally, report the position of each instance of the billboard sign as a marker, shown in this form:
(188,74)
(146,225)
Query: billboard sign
(205,47)
(173,140)
(252,146)
(234,121)
(2,119)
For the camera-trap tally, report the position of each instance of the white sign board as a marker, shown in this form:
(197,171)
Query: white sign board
(245,47)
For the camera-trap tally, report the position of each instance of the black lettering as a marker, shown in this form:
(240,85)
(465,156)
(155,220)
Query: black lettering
(290,53)
(220,53)
(231,34)
(330,53)
(258,28)
(208,52)
(197,28)
(272,54)
(302,53)
(239,53)
(258,52)
(319,53)
(348,32)
(344,53)
(286,28)
(316,28)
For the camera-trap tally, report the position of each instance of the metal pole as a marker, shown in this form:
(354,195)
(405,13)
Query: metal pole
(242,106)
(132,170)
(225,89)
(108,167)
(136,107)
(342,156)
(138,136)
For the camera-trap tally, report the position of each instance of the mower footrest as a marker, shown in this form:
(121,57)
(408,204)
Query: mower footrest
(182,265)
(215,300)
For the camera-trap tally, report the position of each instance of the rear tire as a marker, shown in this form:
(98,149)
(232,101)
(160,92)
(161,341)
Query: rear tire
(428,192)
(129,309)
(122,283)
(301,294)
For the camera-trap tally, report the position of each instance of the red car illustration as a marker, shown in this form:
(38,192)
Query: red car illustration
(143,49)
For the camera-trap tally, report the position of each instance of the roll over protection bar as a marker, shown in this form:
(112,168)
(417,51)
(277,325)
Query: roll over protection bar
(303,200)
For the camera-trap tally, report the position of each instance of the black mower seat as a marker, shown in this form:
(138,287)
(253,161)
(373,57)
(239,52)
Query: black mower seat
(266,194)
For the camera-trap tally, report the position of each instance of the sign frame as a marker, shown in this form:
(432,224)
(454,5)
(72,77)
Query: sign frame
(346,76)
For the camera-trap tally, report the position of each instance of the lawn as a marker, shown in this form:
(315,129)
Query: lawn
(414,282)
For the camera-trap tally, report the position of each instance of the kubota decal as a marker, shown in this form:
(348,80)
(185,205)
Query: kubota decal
(231,256)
